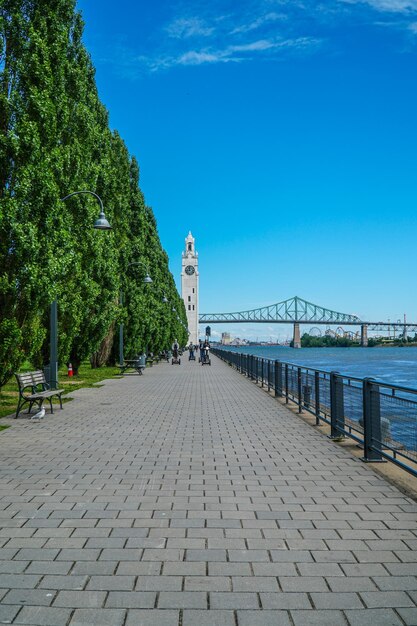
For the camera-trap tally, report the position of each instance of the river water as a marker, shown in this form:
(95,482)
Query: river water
(392,365)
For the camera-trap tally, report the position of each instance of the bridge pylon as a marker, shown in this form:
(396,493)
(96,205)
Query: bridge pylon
(296,340)
(364,335)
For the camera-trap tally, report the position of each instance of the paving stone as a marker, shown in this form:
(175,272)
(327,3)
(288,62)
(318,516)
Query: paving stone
(8,613)
(98,617)
(184,569)
(263,618)
(378,599)
(208,618)
(208,583)
(254,583)
(37,554)
(37,597)
(160,583)
(302,583)
(373,617)
(72,582)
(14,567)
(285,601)
(131,599)
(398,583)
(42,616)
(334,600)
(95,568)
(182,600)
(274,569)
(153,617)
(80,599)
(219,600)
(206,555)
(408,615)
(318,618)
(355,583)
(111,583)
(22,581)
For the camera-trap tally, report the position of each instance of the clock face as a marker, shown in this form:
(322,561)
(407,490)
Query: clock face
(189,270)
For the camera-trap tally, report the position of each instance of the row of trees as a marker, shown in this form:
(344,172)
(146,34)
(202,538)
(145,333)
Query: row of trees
(327,341)
(55,139)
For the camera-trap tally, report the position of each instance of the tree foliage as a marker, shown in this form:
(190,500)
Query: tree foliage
(326,341)
(55,139)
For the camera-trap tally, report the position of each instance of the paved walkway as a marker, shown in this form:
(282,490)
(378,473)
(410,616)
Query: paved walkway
(189,497)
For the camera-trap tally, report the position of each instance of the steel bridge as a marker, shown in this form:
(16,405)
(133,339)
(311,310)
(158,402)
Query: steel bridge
(298,311)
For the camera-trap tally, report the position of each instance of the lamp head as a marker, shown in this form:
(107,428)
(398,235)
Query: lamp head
(164,299)
(101,223)
(147,280)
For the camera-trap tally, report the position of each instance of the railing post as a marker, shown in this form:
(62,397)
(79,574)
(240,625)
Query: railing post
(337,417)
(269,374)
(252,367)
(286,384)
(371,422)
(278,378)
(262,372)
(299,390)
(317,397)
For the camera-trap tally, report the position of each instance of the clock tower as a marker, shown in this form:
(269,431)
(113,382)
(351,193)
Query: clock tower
(189,286)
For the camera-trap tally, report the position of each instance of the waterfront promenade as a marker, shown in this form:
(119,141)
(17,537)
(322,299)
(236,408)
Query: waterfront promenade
(189,497)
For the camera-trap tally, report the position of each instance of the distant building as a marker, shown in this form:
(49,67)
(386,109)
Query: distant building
(226,339)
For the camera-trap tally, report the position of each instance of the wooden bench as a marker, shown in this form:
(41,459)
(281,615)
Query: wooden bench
(132,364)
(34,389)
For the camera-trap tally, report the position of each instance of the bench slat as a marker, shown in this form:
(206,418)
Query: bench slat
(45,394)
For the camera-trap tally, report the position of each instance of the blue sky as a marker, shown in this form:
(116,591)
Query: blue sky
(282,133)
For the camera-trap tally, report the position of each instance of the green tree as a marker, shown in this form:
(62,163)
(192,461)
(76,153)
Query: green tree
(55,139)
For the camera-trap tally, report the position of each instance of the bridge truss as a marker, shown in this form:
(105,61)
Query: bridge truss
(286,312)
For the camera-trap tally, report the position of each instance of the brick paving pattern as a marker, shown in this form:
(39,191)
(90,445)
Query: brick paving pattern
(189,497)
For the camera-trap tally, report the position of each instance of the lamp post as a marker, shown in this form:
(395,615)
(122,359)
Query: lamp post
(101,223)
(147,280)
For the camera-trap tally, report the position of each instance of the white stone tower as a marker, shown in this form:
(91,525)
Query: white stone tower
(189,286)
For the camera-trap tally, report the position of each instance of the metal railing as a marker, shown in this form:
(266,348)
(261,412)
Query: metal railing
(381,417)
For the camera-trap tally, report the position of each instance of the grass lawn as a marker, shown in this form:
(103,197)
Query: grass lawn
(87,377)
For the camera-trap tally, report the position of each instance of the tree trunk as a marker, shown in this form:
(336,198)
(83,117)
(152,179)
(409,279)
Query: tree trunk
(99,358)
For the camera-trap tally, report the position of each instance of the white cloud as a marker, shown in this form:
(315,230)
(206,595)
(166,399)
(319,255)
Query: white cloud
(257,29)
(184,28)
(259,22)
(389,6)
(233,53)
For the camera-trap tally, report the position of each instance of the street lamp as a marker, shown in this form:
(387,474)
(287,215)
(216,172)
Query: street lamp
(101,223)
(147,281)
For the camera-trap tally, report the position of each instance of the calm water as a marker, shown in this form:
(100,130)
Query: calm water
(393,365)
